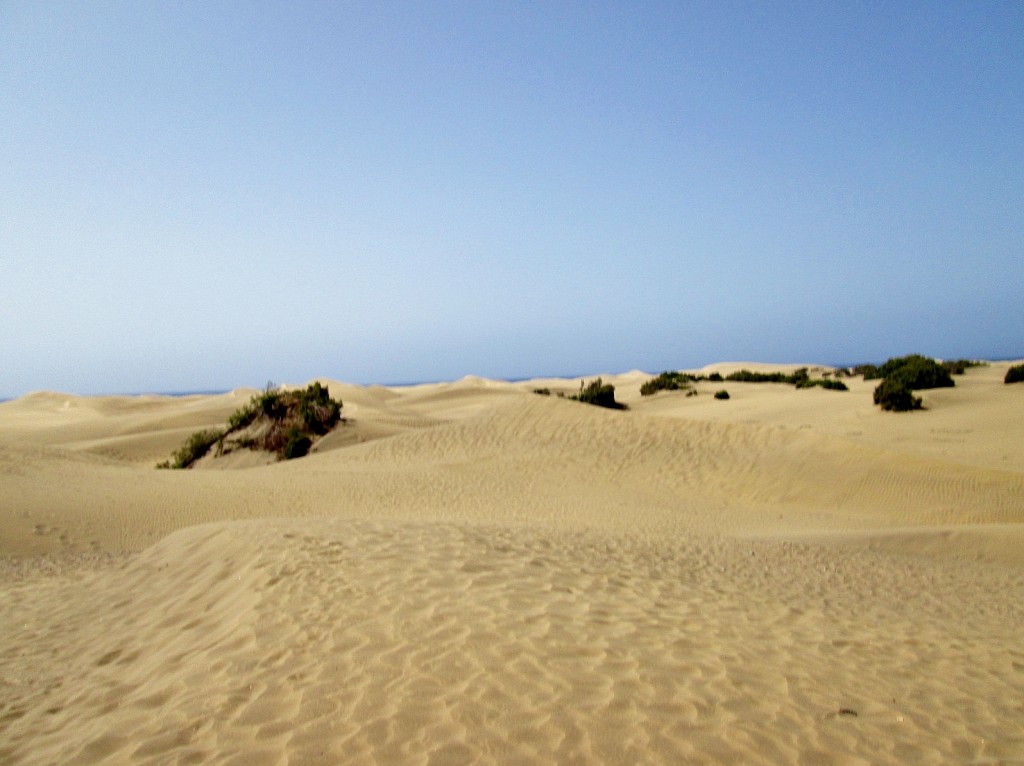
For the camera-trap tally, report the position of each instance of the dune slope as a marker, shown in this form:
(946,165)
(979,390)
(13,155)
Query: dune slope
(475,574)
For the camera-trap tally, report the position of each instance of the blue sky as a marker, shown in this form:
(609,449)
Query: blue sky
(208,195)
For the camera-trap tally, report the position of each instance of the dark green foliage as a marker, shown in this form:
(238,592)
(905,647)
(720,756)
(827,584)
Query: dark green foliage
(723,394)
(1015,374)
(282,422)
(904,374)
(893,395)
(672,381)
(242,417)
(319,412)
(542,391)
(598,393)
(916,372)
(827,383)
(746,376)
(800,378)
(298,444)
(194,448)
(667,381)
(959,366)
(869,371)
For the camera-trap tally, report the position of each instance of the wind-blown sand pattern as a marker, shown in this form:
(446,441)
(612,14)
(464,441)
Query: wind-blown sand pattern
(470,573)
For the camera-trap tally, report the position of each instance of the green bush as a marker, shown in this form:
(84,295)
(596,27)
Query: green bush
(598,393)
(319,412)
(723,394)
(916,372)
(827,383)
(298,444)
(542,391)
(195,448)
(959,366)
(869,371)
(746,376)
(893,395)
(904,374)
(666,381)
(1015,374)
(287,422)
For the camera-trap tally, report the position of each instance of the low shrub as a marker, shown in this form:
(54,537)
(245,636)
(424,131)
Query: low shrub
(1015,374)
(723,394)
(666,381)
(598,393)
(746,376)
(916,372)
(284,422)
(195,448)
(959,366)
(828,383)
(319,412)
(893,395)
(542,391)
(903,374)
(298,444)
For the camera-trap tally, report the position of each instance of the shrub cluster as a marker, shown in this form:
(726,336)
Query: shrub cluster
(1015,374)
(667,381)
(674,381)
(904,374)
(746,376)
(598,393)
(894,396)
(291,420)
(723,394)
(959,366)
(194,448)
(800,378)
(826,383)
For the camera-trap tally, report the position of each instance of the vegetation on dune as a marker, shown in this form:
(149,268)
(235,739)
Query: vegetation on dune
(905,374)
(959,366)
(723,394)
(894,396)
(1015,374)
(194,448)
(598,393)
(829,384)
(668,381)
(677,381)
(282,422)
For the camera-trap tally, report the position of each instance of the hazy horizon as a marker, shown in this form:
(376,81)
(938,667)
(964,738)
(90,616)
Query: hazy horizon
(202,197)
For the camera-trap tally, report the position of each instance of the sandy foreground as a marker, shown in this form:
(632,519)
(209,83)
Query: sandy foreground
(470,573)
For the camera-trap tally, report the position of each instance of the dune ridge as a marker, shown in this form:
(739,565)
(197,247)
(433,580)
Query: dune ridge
(471,573)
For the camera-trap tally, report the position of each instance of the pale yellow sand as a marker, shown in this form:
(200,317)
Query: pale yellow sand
(470,573)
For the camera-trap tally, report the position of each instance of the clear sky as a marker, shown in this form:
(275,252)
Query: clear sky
(203,195)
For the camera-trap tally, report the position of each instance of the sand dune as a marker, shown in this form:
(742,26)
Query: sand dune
(471,573)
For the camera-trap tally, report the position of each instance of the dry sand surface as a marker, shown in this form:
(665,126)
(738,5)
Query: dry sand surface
(470,573)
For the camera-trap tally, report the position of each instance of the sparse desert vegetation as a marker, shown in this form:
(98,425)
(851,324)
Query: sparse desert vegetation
(1015,374)
(284,423)
(598,393)
(681,381)
(905,374)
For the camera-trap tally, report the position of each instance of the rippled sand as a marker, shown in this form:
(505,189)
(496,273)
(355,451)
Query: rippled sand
(470,573)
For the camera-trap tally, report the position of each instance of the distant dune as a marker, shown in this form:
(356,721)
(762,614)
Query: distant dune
(468,572)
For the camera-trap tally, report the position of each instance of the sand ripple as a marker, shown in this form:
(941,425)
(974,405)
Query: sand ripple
(358,642)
